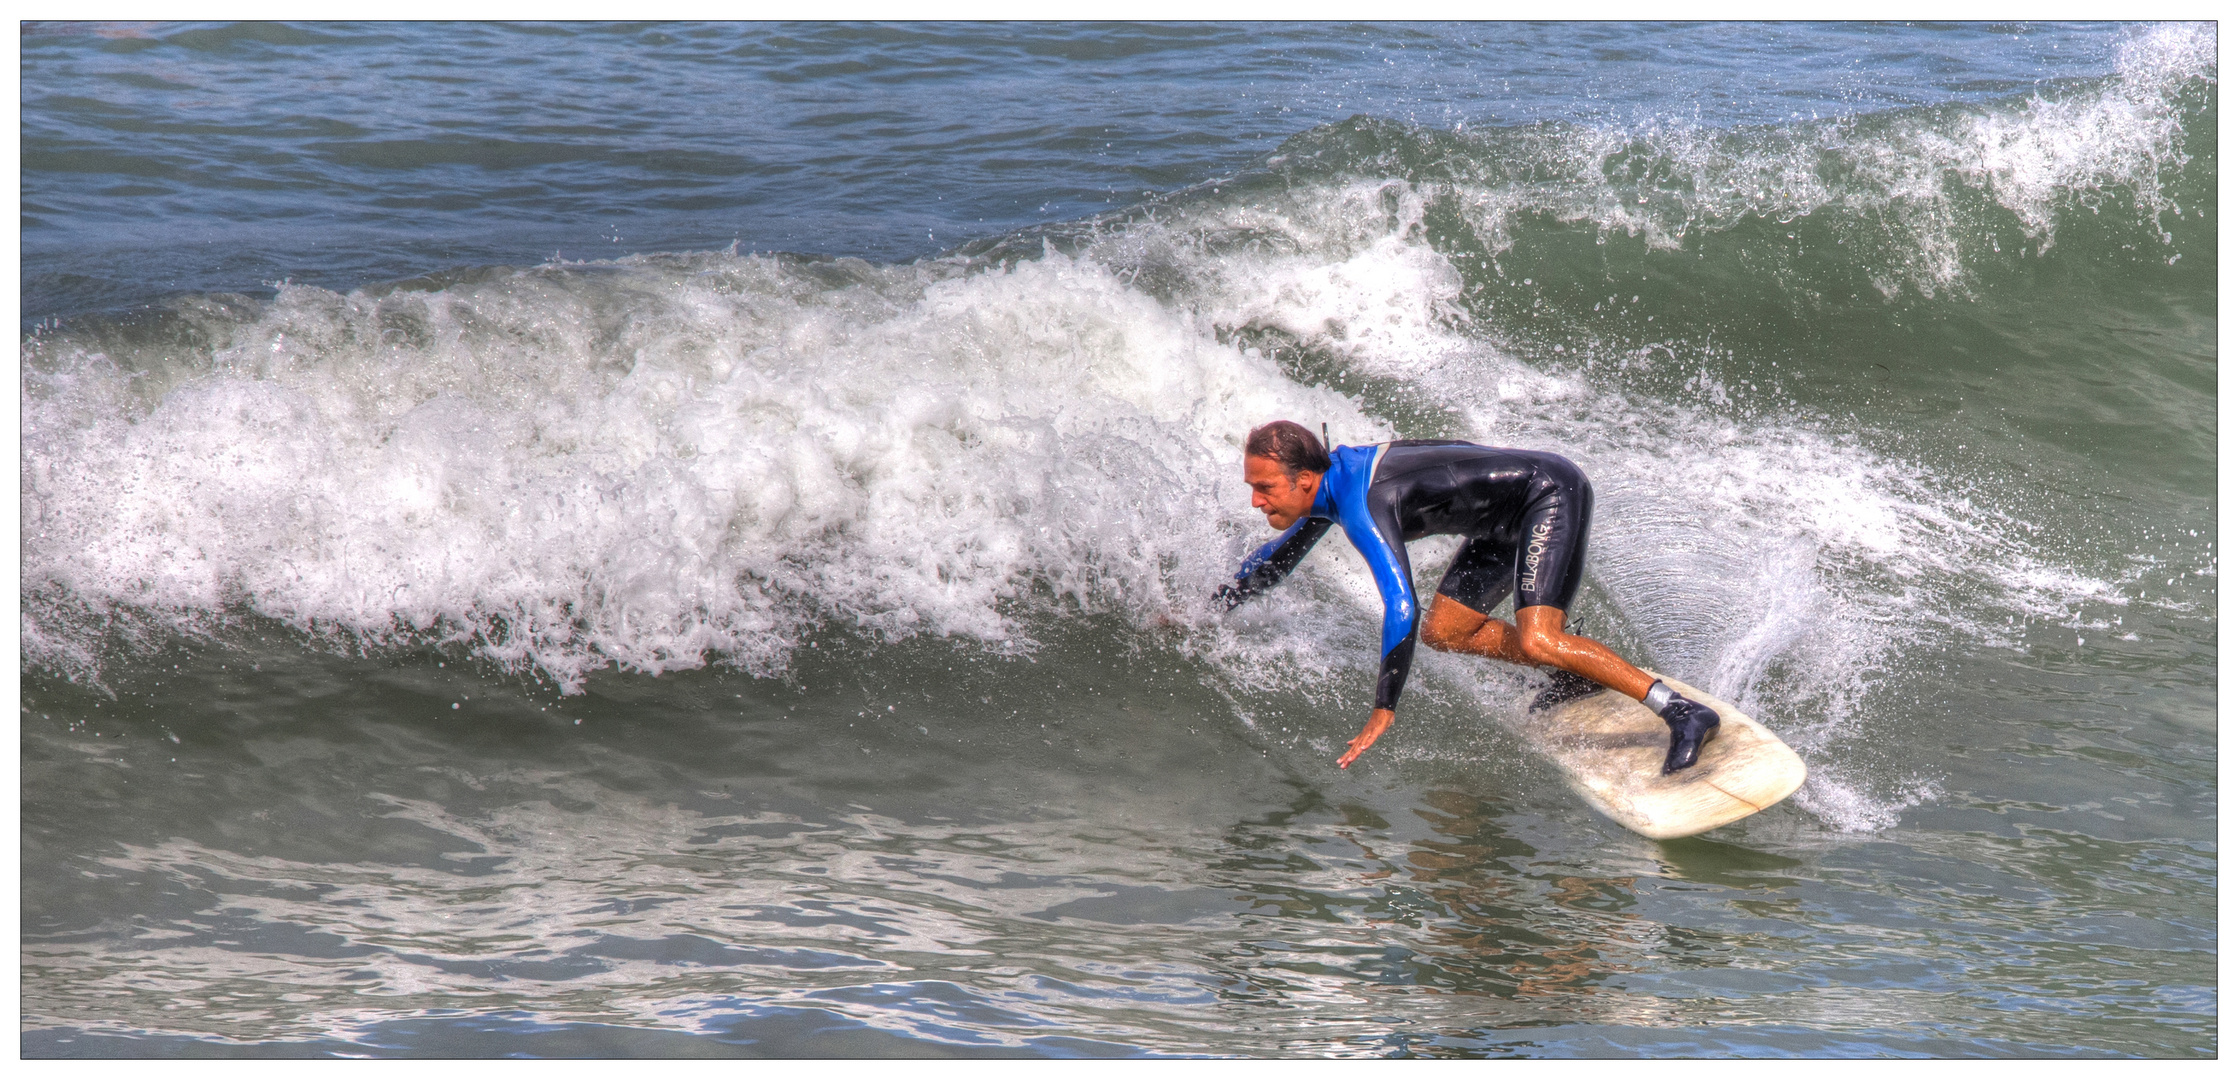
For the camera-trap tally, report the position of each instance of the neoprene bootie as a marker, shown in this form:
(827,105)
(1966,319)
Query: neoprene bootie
(1691,724)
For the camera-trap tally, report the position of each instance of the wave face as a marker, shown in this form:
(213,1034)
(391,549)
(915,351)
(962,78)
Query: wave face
(664,461)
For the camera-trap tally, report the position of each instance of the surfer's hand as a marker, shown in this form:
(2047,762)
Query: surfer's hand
(1379,722)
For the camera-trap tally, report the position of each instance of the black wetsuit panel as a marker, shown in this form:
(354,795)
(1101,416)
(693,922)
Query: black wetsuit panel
(1527,516)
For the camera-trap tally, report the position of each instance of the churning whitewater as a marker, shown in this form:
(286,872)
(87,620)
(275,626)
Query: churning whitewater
(690,464)
(664,461)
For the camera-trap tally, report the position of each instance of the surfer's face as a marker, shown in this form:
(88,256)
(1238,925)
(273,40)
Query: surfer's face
(1283,499)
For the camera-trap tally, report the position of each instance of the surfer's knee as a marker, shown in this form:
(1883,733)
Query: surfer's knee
(1540,647)
(1450,625)
(1540,636)
(1441,636)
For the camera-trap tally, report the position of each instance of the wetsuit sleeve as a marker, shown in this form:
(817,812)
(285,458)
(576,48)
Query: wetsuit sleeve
(1273,561)
(1386,554)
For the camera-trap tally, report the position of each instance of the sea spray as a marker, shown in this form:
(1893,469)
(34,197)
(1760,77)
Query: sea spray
(1898,388)
(659,462)
(682,466)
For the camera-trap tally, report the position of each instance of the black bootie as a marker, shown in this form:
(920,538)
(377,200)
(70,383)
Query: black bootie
(1691,724)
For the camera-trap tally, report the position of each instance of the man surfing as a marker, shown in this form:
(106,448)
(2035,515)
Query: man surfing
(1525,514)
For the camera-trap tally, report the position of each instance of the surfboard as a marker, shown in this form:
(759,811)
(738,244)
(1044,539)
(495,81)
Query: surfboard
(1610,749)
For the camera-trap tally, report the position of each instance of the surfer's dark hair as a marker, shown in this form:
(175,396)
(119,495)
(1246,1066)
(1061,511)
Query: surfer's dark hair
(1290,445)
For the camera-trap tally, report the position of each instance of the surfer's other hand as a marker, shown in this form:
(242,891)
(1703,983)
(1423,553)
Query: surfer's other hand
(1691,723)
(1379,722)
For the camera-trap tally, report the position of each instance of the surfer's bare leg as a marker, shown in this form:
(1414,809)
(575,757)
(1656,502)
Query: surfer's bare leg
(1453,626)
(1547,644)
(1537,639)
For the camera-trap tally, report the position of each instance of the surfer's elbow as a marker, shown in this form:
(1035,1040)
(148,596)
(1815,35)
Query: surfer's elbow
(1398,622)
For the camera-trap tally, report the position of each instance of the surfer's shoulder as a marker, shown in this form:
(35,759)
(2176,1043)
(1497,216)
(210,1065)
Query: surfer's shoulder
(1400,457)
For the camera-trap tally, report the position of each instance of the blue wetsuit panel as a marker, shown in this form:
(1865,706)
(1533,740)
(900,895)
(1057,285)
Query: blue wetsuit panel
(1343,501)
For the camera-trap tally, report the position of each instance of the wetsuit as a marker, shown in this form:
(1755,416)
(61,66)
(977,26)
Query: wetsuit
(1525,513)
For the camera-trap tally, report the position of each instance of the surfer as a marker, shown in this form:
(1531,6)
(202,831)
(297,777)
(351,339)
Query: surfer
(1525,514)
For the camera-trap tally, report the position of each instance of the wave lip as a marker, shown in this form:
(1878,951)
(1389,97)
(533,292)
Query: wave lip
(1917,201)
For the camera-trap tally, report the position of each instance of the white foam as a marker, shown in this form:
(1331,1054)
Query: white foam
(1775,563)
(2057,148)
(662,462)
(666,461)
(1847,807)
(1887,184)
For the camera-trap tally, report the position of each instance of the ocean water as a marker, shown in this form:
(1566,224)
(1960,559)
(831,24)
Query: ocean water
(692,540)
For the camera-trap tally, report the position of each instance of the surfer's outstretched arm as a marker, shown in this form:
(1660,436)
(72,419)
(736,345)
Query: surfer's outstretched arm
(1272,562)
(1374,530)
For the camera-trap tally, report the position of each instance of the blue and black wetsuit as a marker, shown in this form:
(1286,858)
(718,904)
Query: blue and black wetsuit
(1526,515)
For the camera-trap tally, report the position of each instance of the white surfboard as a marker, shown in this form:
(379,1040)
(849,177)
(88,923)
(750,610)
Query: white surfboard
(1610,750)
